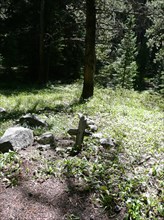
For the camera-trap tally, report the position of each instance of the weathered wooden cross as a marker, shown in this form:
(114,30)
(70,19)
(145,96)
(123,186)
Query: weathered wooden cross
(80,131)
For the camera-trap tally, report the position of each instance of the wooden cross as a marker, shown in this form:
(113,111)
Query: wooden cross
(80,132)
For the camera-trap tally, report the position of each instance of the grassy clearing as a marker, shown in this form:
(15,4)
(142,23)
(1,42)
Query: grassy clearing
(130,175)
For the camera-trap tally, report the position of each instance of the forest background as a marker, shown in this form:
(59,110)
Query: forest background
(43,41)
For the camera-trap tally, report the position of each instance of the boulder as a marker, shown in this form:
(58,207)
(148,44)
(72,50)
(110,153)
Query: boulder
(32,120)
(107,142)
(16,138)
(46,138)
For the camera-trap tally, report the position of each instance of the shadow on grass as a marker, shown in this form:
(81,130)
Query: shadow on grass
(16,89)
(61,108)
(15,114)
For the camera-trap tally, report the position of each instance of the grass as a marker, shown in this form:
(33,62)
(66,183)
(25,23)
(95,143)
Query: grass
(130,175)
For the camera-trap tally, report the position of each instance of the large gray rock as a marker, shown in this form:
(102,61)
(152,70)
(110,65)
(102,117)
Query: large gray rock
(32,120)
(16,138)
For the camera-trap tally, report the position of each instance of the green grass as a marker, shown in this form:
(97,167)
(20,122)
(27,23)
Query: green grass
(131,174)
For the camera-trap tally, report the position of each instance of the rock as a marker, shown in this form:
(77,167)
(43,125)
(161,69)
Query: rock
(60,150)
(117,209)
(93,128)
(107,142)
(97,135)
(32,120)
(91,125)
(87,132)
(2,110)
(16,138)
(43,147)
(46,138)
(90,122)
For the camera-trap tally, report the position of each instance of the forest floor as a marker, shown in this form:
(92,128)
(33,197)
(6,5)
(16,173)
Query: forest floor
(37,197)
(125,181)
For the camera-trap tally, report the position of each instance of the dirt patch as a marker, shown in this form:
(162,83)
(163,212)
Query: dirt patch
(40,198)
(48,200)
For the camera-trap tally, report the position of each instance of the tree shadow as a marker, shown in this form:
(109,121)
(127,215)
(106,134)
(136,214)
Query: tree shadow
(17,88)
(60,108)
(61,197)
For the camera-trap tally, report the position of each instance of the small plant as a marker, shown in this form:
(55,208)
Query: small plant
(107,199)
(10,167)
(72,217)
(134,209)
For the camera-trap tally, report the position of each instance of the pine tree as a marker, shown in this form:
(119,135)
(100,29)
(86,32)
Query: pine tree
(125,67)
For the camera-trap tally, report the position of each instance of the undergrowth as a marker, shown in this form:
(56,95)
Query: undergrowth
(129,175)
(10,164)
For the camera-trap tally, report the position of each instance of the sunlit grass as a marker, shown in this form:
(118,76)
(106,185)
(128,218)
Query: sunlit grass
(135,120)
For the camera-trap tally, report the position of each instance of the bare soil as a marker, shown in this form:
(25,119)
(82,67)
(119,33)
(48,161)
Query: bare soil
(51,198)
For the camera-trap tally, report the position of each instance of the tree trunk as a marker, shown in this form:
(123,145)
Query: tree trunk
(89,68)
(41,76)
(142,23)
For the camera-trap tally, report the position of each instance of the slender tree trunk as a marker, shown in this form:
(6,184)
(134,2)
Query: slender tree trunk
(41,76)
(89,68)
(139,6)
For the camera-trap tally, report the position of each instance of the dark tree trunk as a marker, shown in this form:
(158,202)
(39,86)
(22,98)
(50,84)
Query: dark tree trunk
(41,75)
(142,23)
(89,68)
(142,59)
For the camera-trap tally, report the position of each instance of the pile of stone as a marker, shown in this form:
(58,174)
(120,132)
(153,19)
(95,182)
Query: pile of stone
(19,137)
(87,127)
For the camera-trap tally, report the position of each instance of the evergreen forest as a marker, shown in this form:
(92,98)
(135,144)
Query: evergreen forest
(42,41)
